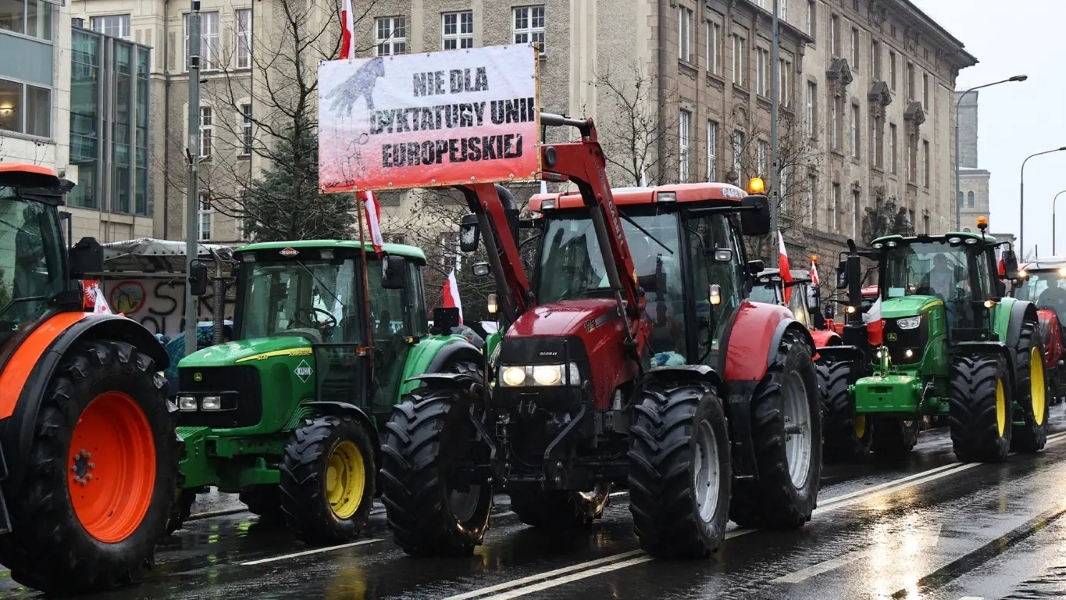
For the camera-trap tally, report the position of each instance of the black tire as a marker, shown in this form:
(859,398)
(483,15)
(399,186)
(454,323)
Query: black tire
(846,437)
(558,509)
(1031,392)
(895,438)
(663,456)
(972,397)
(305,468)
(429,433)
(48,548)
(774,500)
(264,501)
(181,510)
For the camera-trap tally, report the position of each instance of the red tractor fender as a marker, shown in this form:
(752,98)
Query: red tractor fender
(1051,332)
(751,340)
(825,337)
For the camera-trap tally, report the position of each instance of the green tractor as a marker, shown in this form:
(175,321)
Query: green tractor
(951,345)
(324,345)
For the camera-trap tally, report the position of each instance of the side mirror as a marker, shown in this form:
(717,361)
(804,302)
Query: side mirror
(842,274)
(392,271)
(756,266)
(1001,288)
(87,256)
(830,310)
(755,220)
(444,320)
(198,278)
(469,232)
(1010,264)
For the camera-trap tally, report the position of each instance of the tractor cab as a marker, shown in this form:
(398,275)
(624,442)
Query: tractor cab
(1043,282)
(803,301)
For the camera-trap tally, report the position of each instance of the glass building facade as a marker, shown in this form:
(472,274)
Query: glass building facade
(26,70)
(109,103)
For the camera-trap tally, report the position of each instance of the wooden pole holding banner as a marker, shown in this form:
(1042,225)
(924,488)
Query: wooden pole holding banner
(367,318)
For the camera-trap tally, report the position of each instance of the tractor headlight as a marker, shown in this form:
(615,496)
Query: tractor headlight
(545,375)
(909,322)
(212,403)
(513,376)
(187,403)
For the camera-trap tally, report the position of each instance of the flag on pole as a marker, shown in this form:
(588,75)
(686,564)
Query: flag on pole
(814,274)
(347,50)
(373,218)
(101,303)
(875,325)
(543,187)
(786,273)
(450,295)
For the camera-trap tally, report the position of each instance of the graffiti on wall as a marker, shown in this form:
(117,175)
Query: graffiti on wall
(159,304)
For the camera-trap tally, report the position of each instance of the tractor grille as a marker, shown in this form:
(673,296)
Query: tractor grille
(900,340)
(242,399)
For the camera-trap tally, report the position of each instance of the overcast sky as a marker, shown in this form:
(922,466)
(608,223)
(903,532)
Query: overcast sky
(1016,119)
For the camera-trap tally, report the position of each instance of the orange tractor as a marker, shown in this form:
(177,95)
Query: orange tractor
(88,453)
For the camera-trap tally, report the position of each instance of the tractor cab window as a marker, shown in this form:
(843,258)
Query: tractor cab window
(714,246)
(31,261)
(1046,288)
(932,269)
(797,303)
(571,266)
(314,298)
(765,292)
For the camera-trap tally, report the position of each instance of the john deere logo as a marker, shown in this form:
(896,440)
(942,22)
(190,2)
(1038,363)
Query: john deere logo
(891,337)
(198,377)
(303,371)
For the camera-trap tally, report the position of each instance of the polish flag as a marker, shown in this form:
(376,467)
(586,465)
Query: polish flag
(347,31)
(450,295)
(101,303)
(786,273)
(814,274)
(373,218)
(875,325)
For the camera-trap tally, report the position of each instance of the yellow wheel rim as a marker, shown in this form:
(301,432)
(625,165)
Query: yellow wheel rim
(345,479)
(1001,408)
(1037,386)
(860,426)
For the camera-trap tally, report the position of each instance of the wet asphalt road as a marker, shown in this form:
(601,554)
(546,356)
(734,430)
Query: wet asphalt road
(928,527)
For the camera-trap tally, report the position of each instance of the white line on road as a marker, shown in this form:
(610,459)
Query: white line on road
(547,575)
(909,543)
(310,552)
(575,577)
(819,568)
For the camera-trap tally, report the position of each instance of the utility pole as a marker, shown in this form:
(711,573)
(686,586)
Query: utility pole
(192,200)
(775,102)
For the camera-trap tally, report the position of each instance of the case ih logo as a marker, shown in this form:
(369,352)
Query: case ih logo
(289,252)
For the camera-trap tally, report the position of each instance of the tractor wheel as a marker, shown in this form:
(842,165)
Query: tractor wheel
(979,401)
(1030,392)
(181,510)
(432,507)
(846,436)
(264,501)
(895,438)
(786,433)
(557,509)
(97,495)
(679,470)
(327,480)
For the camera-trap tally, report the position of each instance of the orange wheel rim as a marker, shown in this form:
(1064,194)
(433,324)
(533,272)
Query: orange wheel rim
(111,467)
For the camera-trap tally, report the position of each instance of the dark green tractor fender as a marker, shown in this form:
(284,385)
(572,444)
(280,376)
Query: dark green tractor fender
(1020,312)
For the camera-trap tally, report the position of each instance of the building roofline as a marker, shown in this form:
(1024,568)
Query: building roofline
(965,59)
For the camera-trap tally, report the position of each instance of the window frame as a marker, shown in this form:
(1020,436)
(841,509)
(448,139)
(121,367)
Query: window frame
(207,132)
(738,60)
(23,112)
(208,56)
(124,24)
(204,215)
(460,38)
(712,150)
(530,31)
(714,49)
(685,17)
(247,125)
(684,134)
(243,38)
(396,44)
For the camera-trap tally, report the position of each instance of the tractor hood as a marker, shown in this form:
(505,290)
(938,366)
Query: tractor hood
(908,306)
(564,318)
(248,351)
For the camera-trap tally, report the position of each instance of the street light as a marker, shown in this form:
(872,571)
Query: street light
(1054,223)
(1021,200)
(958,183)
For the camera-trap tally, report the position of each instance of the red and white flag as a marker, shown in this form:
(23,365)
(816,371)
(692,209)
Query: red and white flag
(372,210)
(101,303)
(347,31)
(786,273)
(450,295)
(875,325)
(814,274)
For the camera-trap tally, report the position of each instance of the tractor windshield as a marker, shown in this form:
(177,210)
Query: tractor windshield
(765,291)
(315,297)
(31,260)
(1046,288)
(932,268)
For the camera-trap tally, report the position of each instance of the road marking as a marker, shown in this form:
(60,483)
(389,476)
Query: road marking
(819,568)
(547,575)
(310,552)
(575,577)
(905,543)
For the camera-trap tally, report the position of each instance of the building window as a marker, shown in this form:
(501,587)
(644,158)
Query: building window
(856,203)
(246,129)
(834,124)
(112,25)
(875,60)
(714,48)
(812,187)
(925,91)
(782,11)
(892,69)
(712,151)
(738,152)
(25,108)
(834,207)
(785,83)
(684,33)
(761,152)
(684,130)
(811,20)
(457,30)
(390,36)
(811,111)
(892,162)
(876,143)
(855,131)
(208,41)
(207,130)
(738,60)
(834,35)
(244,38)
(912,163)
(450,257)
(529,25)
(911,91)
(969,199)
(925,164)
(855,48)
(762,71)
(241,224)
(205,212)
(27,18)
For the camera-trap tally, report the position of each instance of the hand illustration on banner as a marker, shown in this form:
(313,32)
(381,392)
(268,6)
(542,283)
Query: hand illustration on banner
(359,85)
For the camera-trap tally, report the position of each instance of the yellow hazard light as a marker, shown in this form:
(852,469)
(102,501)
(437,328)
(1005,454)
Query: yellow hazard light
(814,258)
(756,186)
(982,223)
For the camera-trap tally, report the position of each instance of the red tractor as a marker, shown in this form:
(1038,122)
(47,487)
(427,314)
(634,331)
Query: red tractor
(88,453)
(803,302)
(631,357)
(1044,283)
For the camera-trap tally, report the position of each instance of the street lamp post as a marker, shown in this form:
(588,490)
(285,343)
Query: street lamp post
(1021,199)
(1054,222)
(958,183)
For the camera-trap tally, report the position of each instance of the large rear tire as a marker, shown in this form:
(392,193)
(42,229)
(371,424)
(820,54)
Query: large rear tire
(1031,392)
(679,474)
(786,433)
(846,435)
(425,444)
(979,400)
(559,509)
(97,494)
